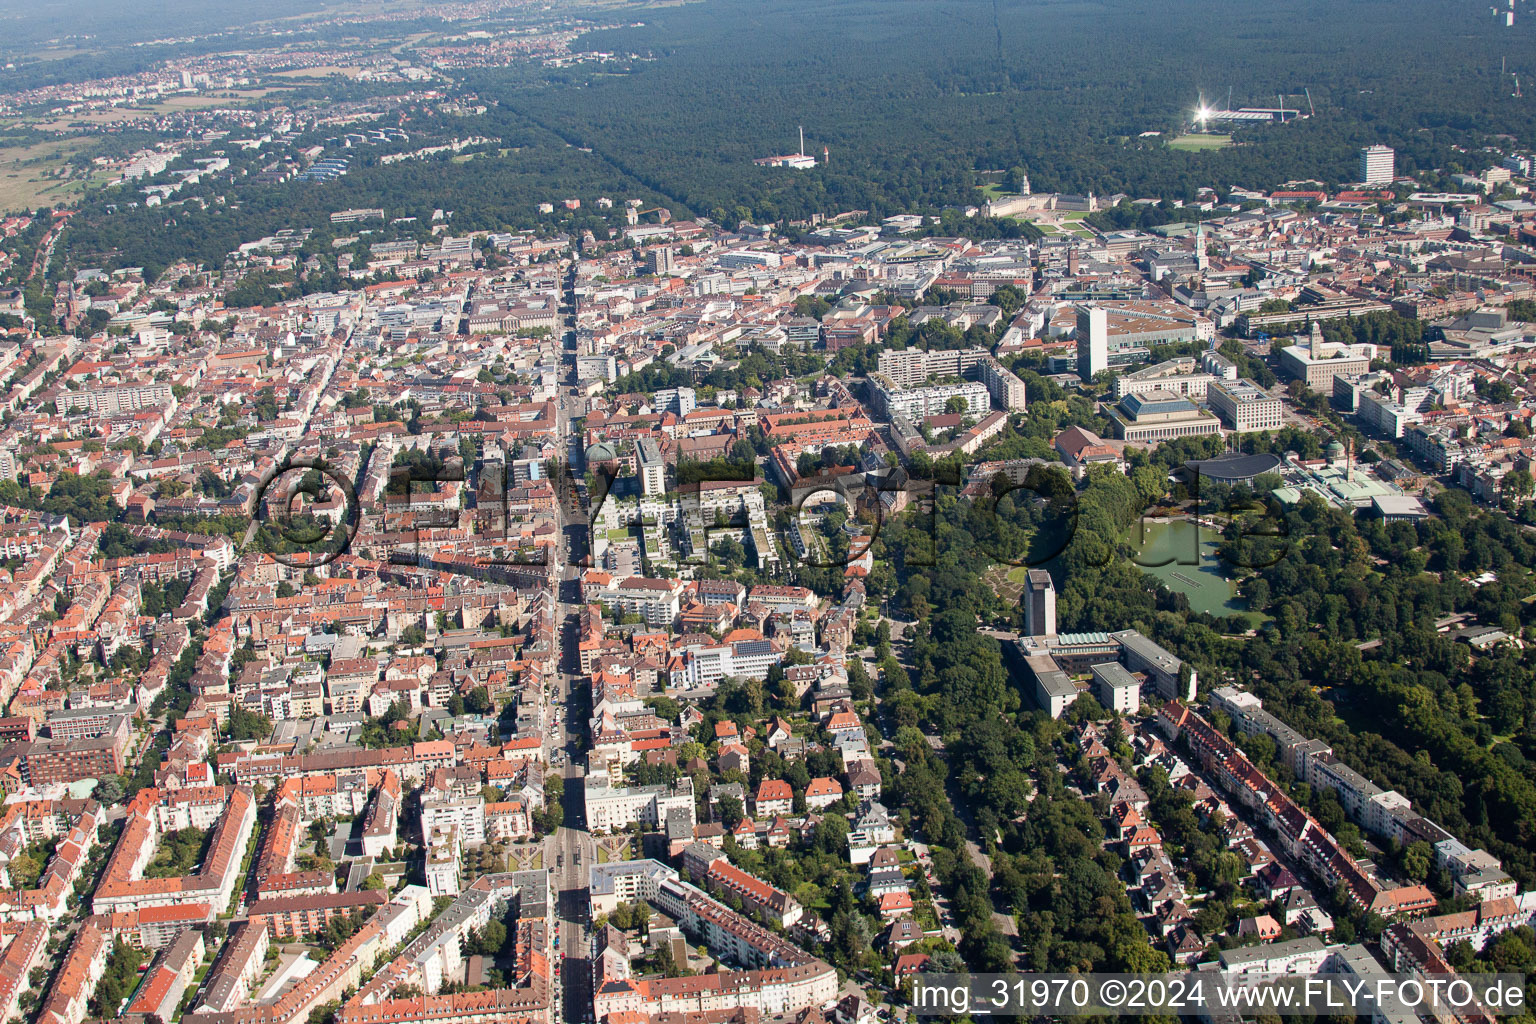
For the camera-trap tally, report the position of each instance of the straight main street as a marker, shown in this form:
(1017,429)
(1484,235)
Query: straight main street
(570,852)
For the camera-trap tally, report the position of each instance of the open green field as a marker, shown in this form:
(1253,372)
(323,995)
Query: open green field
(1200,142)
(24,180)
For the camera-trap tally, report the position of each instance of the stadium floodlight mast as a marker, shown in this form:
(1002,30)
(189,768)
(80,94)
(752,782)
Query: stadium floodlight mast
(1202,112)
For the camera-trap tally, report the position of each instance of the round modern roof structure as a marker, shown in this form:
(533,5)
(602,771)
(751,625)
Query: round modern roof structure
(1232,469)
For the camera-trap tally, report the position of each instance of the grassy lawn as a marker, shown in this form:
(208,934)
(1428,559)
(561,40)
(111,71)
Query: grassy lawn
(22,184)
(1200,142)
(1068,224)
(812,897)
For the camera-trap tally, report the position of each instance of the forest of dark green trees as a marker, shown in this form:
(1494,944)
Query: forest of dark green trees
(918,103)
(913,97)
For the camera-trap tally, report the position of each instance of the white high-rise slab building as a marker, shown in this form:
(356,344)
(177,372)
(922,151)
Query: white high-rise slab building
(1092,341)
(1378,165)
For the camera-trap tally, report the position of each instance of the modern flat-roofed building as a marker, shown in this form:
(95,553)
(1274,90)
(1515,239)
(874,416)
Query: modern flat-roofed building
(1335,308)
(909,368)
(1160,416)
(1117,689)
(1244,406)
(113,401)
(659,261)
(1297,956)
(600,367)
(1385,413)
(1006,388)
(610,808)
(442,862)
(1054,690)
(44,762)
(1179,376)
(625,882)
(1138,654)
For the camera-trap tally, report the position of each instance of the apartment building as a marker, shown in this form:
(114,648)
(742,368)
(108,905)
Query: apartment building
(611,808)
(123,887)
(910,367)
(657,601)
(444,851)
(917,404)
(383,818)
(1006,389)
(1305,955)
(651,467)
(298,917)
(710,866)
(240,962)
(115,401)
(625,882)
(467,814)
(169,975)
(77,976)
